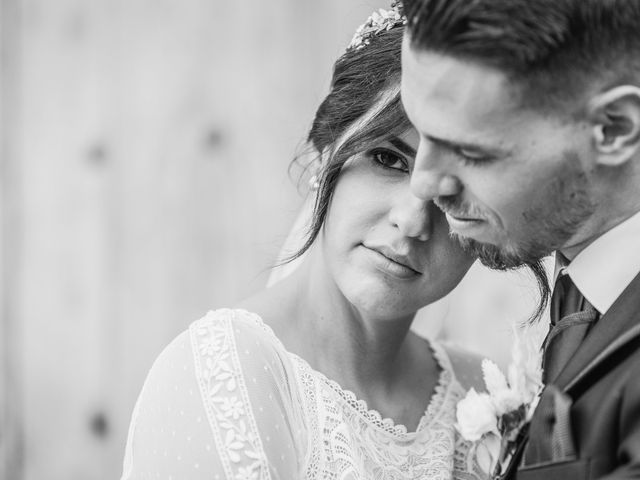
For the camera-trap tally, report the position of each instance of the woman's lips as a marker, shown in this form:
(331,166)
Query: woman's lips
(391,262)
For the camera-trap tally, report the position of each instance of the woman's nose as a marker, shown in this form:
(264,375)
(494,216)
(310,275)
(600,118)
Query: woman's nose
(412,216)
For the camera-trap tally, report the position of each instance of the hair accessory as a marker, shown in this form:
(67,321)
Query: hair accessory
(379,21)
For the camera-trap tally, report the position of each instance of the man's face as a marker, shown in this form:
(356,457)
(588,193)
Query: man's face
(514,183)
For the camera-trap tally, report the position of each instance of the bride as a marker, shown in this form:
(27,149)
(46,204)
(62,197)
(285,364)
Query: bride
(319,376)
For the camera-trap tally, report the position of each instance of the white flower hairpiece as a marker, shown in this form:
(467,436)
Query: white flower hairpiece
(379,21)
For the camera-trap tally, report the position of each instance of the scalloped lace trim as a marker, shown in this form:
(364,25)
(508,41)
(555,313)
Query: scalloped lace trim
(371,415)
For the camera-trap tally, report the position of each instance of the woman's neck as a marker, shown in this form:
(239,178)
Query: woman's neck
(377,358)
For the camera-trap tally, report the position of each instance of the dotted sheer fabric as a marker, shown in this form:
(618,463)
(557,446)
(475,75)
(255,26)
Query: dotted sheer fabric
(226,400)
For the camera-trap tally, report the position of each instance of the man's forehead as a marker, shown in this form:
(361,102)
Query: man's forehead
(440,78)
(442,93)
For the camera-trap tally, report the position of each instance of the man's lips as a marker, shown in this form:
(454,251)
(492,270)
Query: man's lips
(463,224)
(463,217)
(458,211)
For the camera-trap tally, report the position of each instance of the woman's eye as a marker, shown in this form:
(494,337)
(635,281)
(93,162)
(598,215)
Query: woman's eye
(390,159)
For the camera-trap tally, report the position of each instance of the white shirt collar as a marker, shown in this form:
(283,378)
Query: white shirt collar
(604,269)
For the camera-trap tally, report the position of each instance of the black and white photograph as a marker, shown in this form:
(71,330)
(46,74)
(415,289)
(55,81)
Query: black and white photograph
(320,240)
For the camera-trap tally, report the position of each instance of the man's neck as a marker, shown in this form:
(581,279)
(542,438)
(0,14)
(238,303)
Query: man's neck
(580,242)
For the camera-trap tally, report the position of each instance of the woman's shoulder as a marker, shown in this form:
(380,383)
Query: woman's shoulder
(225,380)
(223,316)
(221,351)
(233,328)
(221,331)
(231,319)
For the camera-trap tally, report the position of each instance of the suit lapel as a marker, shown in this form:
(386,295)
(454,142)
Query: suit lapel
(616,328)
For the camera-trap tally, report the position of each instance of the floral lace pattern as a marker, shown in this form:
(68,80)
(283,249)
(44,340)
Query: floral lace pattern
(227,403)
(362,444)
(346,439)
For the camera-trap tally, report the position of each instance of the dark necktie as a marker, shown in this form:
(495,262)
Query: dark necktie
(571,318)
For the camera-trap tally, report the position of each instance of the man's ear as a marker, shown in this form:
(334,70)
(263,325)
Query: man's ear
(615,124)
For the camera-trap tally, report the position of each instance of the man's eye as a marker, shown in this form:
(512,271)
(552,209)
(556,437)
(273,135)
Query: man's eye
(390,159)
(470,156)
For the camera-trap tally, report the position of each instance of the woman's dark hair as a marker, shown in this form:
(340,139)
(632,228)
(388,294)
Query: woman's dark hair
(362,108)
(539,273)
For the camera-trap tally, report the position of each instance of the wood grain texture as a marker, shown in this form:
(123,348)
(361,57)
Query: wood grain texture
(11,380)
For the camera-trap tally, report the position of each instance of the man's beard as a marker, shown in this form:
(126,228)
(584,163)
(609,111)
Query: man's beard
(547,226)
(492,256)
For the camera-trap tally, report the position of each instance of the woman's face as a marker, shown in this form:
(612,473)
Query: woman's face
(388,251)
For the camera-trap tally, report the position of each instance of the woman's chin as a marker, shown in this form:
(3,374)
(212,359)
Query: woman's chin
(378,300)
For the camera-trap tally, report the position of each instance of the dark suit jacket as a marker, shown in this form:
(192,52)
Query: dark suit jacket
(587,425)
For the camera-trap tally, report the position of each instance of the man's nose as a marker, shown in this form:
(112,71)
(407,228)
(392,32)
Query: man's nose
(432,176)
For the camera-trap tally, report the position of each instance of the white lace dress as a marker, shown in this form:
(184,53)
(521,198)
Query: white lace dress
(226,400)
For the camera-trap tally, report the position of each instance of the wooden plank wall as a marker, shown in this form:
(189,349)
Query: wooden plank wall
(11,382)
(148,182)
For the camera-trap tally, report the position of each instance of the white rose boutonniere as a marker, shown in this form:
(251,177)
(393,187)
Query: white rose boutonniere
(492,420)
(476,416)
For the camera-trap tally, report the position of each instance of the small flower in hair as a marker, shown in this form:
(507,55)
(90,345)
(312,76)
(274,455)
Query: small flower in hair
(378,22)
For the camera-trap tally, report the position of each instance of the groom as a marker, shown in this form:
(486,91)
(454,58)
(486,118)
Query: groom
(529,118)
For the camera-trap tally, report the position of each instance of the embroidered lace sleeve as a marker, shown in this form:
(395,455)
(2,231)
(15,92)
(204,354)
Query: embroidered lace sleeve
(220,402)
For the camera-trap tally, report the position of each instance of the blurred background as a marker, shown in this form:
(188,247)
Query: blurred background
(145,147)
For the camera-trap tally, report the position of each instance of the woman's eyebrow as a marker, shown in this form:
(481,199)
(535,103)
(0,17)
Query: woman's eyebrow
(402,146)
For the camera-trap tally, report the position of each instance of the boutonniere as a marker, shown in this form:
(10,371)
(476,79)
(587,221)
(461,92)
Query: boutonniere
(493,419)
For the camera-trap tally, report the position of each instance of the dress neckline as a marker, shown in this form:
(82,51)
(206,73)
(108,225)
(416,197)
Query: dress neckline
(372,416)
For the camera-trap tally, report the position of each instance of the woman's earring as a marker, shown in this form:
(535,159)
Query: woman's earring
(314,182)
(316,169)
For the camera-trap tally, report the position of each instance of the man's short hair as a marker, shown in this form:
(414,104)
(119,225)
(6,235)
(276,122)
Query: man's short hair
(554,49)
